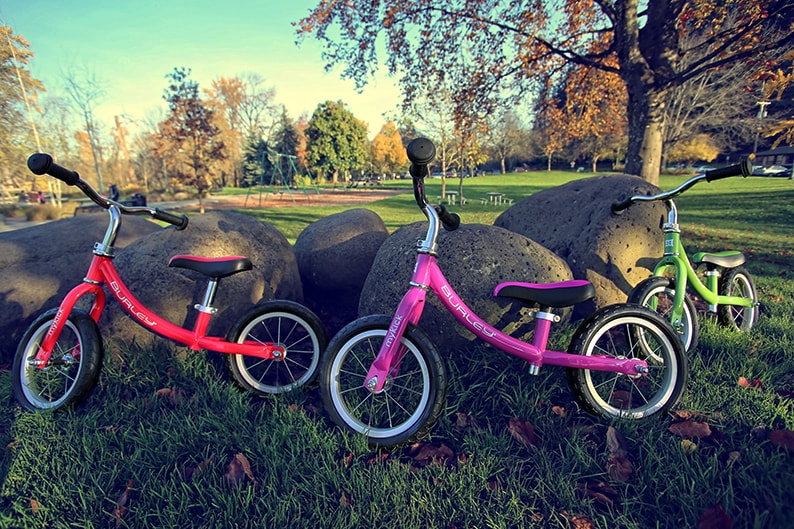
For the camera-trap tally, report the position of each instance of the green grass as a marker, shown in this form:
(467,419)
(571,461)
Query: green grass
(70,469)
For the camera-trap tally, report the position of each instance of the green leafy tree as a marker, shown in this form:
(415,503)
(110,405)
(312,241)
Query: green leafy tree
(337,141)
(490,51)
(189,134)
(287,143)
(256,166)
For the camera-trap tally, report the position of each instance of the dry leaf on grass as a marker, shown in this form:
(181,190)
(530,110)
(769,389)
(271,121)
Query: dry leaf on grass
(523,432)
(782,438)
(239,468)
(690,429)
(618,465)
(755,383)
(120,509)
(714,518)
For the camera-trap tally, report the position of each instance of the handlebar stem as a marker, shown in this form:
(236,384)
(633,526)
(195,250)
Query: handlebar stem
(430,245)
(105,248)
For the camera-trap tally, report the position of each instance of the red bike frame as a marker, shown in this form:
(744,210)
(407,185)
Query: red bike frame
(101,272)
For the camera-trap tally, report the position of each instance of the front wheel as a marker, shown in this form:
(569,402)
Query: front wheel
(412,399)
(289,325)
(629,331)
(658,293)
(737,282)
(71,371)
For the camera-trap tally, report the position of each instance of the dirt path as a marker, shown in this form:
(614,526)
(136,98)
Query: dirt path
(340,197)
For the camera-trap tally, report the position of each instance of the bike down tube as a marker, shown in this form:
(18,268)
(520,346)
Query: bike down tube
(428,273)
(192,338)
(102,271)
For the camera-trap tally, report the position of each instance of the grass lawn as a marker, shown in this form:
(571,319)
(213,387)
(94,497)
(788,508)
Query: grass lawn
(165,440)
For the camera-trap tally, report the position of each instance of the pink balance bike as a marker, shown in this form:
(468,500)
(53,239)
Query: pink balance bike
(382,377)
(273,348)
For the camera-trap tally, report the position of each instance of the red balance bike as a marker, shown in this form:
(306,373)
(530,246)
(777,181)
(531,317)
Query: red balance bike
(273,348)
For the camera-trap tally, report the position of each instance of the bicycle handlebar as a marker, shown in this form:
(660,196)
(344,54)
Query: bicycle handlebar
(41,163)
(743,169)
(421,152)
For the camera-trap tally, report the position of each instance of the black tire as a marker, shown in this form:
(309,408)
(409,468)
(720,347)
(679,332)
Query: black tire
(286,323)
(402,412)
(737,282)
(629,331)
(71,371)
(657,293)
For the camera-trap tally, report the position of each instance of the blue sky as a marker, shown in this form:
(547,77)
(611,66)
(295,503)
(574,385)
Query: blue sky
(131,45)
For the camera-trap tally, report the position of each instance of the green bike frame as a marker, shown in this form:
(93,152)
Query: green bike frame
(675,258)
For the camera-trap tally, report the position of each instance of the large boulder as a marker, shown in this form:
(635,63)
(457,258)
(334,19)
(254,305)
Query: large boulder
(334,256)
(172,292)
(474,258)
(40,264)
(575,221)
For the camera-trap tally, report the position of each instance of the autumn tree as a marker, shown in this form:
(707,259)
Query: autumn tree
(490,52)
(388,152)
(189,134)
(779,87)
(19,92)
(337,141)
(700,147)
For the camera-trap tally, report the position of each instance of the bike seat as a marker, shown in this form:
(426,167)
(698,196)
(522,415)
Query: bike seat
(215,267)
(560,294)
(726,259)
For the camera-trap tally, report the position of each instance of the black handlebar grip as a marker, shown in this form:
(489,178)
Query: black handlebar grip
(41,163)
(421,152)
(743,168)
(180,221)
(620,207)
(451,221)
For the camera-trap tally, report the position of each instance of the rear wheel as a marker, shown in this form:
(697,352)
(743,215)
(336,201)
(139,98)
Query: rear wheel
(412,399)
(629,331)
(289,325)
(658,293)
(737,282)
(71,371)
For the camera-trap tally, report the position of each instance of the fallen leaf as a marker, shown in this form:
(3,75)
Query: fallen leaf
(733,456)
(523,432)
(756,383)
(688,446)
(616,443)
(558,410)
(684,415)
(190,472)
(581,521)
(782,439)
(425,454)
(239,468)
(344,500)
(120,509)
(690,429)
(714,518)
(464,421)
(600,491)
(34,505)
(619,468)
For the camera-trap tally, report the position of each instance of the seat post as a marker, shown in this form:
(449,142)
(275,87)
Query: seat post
(209,297)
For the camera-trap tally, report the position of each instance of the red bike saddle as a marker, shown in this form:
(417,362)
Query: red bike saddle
(216,267)
(560,294)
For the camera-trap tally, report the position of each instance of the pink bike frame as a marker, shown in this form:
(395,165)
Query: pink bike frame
(102,271)
(428,276)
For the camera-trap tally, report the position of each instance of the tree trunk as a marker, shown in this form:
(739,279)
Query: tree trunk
(504,169)
(646,134)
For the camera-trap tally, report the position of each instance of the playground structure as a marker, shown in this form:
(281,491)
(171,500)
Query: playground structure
(279,181)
